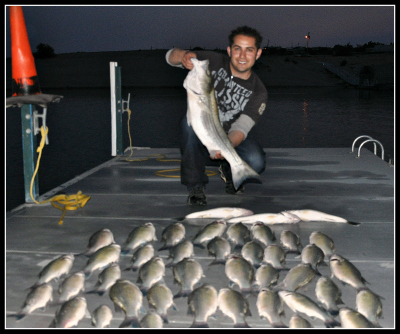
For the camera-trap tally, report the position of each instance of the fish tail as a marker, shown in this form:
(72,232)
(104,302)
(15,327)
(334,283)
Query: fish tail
(17,316)
(164,318)
(130,322)
(279,325)
(182,294)
(243,173)
(331,323)
(353,223)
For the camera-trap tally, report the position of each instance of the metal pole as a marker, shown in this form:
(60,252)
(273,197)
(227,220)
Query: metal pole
(116,110)
(29,152)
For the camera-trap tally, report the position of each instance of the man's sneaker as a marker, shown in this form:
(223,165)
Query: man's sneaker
(197,196)
(226,175)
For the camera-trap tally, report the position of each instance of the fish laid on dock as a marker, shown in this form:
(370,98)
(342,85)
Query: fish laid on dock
(202,115)
(267,218)
(314,215)
(219,213)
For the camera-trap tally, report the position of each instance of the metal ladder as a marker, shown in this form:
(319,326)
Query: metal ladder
(372,140)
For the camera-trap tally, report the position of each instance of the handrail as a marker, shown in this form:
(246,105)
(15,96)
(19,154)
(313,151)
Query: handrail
(363,136)
(371,140)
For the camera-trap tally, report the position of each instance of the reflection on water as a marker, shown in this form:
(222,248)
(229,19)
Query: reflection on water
(80,127)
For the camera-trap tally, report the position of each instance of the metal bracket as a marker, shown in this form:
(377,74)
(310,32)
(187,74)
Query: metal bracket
(126,106)
(36,127)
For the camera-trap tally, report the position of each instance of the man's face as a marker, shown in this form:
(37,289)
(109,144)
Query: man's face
(244,54)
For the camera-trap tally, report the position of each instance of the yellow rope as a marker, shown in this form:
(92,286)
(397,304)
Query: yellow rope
(70,202)
(161,158)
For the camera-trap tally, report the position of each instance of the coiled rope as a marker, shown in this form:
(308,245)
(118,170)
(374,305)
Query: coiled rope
(161,157)
(70,202)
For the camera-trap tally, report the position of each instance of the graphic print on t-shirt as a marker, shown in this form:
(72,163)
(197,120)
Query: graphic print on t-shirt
(232,97)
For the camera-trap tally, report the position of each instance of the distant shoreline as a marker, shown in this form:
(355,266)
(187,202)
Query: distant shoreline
(148,69)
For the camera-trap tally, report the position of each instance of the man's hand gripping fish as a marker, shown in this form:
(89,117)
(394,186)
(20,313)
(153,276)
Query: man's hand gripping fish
(202,115)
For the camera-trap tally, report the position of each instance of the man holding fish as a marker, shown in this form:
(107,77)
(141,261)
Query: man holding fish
(225,86)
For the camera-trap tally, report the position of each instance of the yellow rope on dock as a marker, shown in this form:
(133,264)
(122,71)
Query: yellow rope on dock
(162,157)
(70,202)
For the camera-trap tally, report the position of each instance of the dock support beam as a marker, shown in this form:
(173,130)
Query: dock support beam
(29,152)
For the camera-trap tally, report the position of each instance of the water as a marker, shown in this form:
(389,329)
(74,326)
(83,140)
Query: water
(80,127)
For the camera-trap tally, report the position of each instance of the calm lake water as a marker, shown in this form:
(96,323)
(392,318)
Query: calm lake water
(80,127)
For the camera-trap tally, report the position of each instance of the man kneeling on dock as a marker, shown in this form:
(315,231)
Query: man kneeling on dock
(241,99)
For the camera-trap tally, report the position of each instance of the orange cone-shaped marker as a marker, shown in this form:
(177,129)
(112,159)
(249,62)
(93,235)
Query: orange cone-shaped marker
(24,75)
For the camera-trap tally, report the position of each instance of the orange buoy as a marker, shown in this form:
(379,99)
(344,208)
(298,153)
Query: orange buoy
(24,76)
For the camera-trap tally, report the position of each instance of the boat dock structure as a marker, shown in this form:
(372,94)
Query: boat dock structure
(126,194)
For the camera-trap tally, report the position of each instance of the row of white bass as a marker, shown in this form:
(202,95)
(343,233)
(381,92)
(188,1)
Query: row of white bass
(261,260)
(235,214)
(251,258)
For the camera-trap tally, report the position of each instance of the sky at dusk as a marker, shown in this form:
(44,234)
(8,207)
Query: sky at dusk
(118,28)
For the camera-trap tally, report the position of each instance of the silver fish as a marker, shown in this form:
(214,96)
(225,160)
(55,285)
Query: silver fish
(353,319)
(262,233)
(128,297)
(107,278)
(300,303)
(139,236)
(71,286)
(313,255)
(329,295)
(324,242)
(240,272)
(209,231)
(202,115)
(161,298)
(297,321)
(202,303)
(171,235)
(275,256)
(298,276)
(253,252)
(220,248)
(55,269)
(151,320)
(268,218)
(235,306)
(180,251)
(220,213)
(99,239)
(70,313)
(38,297)
(141,256)
(150,273)
(370,306)
(314,215)
(187,273)
(238,234)
(102,316)
(290,241)
(270,306)
(102,258)
(266,276)
(346,272)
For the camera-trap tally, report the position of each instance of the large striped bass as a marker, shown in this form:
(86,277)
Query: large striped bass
(202,115)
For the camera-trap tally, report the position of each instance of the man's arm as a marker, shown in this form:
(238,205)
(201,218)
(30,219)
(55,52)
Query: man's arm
(176,57)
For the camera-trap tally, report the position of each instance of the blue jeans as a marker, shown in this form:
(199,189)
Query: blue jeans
(195,157)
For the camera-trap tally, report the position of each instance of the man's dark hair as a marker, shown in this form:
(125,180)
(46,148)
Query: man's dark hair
(246,31)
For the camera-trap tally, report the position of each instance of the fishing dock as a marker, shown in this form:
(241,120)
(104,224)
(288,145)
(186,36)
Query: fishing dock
(125,194)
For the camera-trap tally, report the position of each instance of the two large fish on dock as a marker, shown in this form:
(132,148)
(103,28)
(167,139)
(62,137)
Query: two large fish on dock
(202,115)
(240,215)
